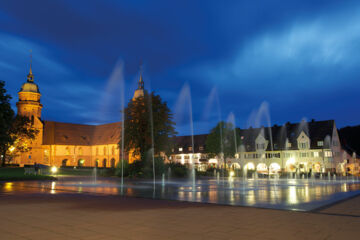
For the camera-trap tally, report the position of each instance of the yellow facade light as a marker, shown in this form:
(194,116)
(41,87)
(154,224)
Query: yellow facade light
(54,170)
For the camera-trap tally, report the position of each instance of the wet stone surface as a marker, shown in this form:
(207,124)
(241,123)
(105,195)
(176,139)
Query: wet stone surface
(285,194)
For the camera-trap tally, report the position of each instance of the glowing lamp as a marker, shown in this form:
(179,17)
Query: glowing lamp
(53,169)
(291,161)
(12,148)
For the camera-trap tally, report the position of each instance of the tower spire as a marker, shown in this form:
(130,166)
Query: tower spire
(141,82)
(139,92)
(30,76)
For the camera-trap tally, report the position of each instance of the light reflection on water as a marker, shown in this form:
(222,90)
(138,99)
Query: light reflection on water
(300,194)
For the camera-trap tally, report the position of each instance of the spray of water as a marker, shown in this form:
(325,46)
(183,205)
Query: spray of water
(214,99)
(256,118)
(231,119)
(116,83)
(184,99)
(151,118)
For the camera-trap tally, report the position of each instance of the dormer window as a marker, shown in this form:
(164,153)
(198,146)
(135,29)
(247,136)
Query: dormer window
(260,146)
(180,149)
(201,148)
(190,148)
(320,143)
(303,141)
(303,145)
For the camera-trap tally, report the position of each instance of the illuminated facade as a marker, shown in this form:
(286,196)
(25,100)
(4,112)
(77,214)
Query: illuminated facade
(303,147)
(66,144)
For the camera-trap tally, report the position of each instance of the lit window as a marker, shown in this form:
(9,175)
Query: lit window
(303,145)
(260,146)
(328,154)
(320,143)
(316,154)
(190,148)
(288,144)
(201,148)
(180,149)
(80,151)
(67,151)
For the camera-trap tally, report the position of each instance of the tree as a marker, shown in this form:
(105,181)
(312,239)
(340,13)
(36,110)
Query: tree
(148,124)
(222,141)
(15,131)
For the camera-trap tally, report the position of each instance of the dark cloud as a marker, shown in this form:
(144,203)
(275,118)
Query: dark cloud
(301,57)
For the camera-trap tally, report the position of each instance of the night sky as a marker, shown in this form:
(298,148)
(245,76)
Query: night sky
(282,60)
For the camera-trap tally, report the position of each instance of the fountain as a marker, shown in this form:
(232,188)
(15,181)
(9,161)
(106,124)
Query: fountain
(95,174)
(185,97)
(297,192)
(169,173)
(163,179)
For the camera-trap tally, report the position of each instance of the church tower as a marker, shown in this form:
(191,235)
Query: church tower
(29,105)
(139,92)
(29,98)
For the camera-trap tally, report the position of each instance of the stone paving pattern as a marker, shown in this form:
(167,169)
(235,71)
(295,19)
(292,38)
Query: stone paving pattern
(79,216)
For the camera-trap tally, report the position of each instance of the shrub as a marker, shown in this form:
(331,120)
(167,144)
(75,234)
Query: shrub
(177,170)
(125,171)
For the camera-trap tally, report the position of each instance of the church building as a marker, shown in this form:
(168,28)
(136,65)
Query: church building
(67,144)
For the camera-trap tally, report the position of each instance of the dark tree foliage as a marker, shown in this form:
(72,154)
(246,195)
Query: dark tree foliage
(349,137)
(15,131)
(143,114)
(222,139)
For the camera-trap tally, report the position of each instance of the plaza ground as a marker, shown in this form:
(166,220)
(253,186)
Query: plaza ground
(28,215)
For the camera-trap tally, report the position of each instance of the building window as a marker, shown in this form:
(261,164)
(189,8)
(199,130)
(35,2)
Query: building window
(303,155)
(303,145)
(320,143)
(80,151)
(328,154)
(104,150)
(316,154)
(113,150)
(97,151)
(260,146)
(67,151)
(190,148)
(288,144)
(201,148)
(180,149)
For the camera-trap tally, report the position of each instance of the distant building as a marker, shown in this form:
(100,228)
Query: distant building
(190,150)
(294,147)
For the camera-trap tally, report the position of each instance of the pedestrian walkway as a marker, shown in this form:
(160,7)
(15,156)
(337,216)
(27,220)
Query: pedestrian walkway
(79,216)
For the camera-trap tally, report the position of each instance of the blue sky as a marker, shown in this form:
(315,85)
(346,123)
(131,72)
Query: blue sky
(262,61)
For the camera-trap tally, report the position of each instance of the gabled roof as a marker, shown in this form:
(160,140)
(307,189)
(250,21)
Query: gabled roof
(186,141)
(278,135)
(59,133)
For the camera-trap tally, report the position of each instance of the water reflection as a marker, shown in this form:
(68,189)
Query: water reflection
(300,194)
